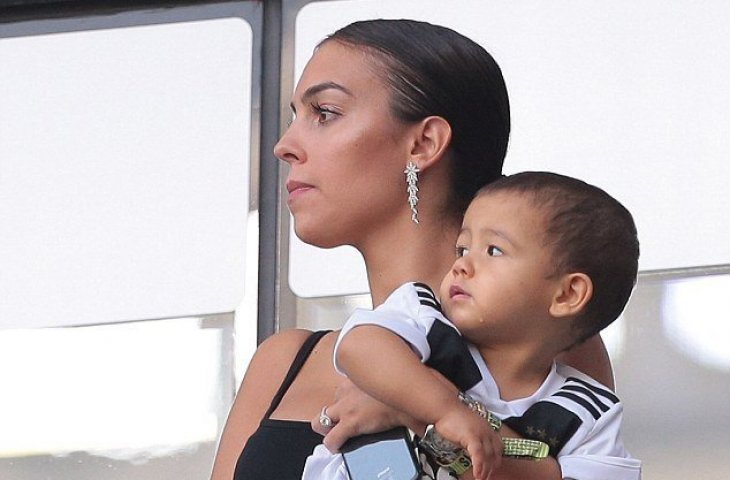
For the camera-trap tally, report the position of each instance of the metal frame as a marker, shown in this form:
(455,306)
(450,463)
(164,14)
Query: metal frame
(21,10)
(269,233)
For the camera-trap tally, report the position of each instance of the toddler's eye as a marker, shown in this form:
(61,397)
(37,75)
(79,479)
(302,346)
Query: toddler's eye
(494,251)
(461,251)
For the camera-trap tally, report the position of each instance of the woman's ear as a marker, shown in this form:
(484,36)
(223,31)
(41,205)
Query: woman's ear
(431,139)
(573,294)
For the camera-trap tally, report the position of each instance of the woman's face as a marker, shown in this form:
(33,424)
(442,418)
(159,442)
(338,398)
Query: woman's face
(345,150)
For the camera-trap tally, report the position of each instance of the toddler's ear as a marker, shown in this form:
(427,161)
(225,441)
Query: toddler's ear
(574,292)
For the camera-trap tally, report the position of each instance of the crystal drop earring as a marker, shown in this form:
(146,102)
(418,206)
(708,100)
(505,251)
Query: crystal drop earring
(411,172)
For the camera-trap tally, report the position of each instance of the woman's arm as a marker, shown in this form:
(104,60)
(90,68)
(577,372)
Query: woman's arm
(263,377)
(591,357)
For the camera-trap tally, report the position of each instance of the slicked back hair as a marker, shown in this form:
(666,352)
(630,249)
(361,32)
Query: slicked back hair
(435,71)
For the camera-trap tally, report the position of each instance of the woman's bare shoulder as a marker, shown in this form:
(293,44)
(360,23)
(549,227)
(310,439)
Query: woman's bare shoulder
(264,375)
(273,358)
(276,353)
(266,372)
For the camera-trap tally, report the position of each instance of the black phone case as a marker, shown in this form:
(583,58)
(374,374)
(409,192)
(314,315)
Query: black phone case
(387,455)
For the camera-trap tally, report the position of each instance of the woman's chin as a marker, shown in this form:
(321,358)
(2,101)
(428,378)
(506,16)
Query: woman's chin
(315,236)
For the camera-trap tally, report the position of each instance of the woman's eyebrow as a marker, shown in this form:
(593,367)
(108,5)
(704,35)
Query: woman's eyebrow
(320,87)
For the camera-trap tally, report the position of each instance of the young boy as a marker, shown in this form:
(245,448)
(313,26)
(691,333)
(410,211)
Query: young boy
(543,262)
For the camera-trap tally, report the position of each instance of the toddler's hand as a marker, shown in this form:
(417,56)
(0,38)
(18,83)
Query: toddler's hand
(473,433)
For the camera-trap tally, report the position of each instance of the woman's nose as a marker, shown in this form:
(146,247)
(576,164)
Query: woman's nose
(287,148)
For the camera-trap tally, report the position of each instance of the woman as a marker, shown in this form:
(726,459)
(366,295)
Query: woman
(377,99)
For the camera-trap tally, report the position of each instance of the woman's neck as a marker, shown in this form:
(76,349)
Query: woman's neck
(407,253)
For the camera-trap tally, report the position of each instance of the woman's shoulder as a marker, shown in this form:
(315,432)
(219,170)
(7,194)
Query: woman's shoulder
(276,358)
(281,348)
(269,365)
(265,373)
(286,338)
(282,345)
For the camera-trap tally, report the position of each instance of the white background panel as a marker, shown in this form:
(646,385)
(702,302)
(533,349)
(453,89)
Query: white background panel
(631,96)
(124,173)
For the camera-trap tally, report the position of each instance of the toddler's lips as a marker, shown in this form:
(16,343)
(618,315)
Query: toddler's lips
(457,291)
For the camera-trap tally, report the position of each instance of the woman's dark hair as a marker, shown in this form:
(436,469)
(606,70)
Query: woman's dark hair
(435,71)
(587,231)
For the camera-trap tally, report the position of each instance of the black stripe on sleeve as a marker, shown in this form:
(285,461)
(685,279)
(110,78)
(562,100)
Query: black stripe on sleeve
(600,391)
(430,303)
(580,401)
(587,393)
(423,286)
(426,296)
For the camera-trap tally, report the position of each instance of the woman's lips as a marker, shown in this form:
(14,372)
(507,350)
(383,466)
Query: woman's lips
(297,189)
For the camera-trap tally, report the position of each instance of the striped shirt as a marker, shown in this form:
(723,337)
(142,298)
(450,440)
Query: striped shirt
(579,418)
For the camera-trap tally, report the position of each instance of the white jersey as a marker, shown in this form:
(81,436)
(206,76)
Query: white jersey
(579,418)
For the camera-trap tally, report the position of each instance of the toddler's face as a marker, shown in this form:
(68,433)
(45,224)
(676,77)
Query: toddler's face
(501,274)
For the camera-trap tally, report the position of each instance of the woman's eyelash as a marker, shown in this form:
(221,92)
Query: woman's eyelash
(321,111)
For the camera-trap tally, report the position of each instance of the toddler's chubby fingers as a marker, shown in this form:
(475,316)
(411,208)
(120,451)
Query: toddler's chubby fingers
(496,448)
(486,455)
(480,454)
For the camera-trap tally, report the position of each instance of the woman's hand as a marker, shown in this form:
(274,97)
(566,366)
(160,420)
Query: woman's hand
(356,413)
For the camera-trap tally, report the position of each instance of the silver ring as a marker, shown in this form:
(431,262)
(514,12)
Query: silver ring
(325,419)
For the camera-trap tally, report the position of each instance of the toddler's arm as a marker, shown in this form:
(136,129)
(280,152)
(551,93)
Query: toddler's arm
(383,365)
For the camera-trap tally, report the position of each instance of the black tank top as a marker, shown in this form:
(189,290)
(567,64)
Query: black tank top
(279,448)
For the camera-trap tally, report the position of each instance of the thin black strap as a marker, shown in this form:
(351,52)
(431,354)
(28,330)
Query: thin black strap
(297,364)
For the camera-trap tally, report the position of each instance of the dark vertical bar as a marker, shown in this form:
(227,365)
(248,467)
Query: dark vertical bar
(269,171)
